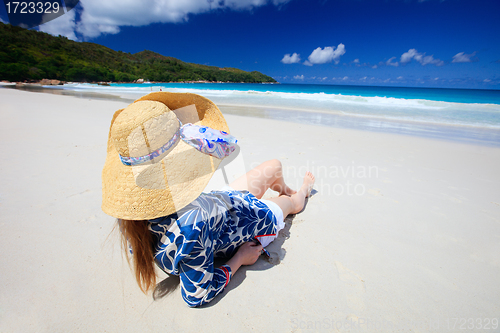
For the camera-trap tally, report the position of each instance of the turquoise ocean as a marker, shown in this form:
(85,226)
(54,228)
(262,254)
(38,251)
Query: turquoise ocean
(465,115)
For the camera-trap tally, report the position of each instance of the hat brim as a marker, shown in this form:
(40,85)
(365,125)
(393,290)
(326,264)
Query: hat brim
(182,175)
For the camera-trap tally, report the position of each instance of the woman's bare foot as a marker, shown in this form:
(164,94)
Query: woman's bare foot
(299,198)
(295,203)
(308,184)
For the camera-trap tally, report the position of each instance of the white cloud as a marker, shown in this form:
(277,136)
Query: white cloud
(328,54)
(419,57)
(407,56)
(291,59)
(462,57)
(299,77)
(307,63)
(278,2)
(106,17)
(345,78)
(430,60)
(374,66)
(63,25)
(390,63)
(400,78)
(486,80)
(357,63)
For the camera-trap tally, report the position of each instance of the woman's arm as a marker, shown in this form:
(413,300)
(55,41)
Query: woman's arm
(200,281)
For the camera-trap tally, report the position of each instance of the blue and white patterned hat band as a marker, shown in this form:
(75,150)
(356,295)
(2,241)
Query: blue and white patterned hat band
(204,139)
(209,141)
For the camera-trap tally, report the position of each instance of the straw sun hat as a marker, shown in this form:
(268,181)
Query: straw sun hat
(176,175)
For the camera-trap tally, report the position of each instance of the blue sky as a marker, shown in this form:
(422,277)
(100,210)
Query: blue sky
(431,43)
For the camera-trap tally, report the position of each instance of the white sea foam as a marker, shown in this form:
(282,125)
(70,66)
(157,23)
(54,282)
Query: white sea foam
(419,110)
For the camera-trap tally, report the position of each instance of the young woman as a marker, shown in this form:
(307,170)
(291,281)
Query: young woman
(162,151)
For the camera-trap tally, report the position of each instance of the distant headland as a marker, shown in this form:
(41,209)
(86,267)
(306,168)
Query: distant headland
(33,56)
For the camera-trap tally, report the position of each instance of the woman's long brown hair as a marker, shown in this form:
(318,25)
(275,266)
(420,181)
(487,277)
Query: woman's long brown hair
(137,235)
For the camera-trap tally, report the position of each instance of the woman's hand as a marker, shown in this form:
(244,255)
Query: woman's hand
(247,254)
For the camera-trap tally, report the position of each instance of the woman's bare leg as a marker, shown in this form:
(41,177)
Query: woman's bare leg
(295,203)
(267,175)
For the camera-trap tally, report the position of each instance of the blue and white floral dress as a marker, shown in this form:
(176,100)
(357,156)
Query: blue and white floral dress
(213,225)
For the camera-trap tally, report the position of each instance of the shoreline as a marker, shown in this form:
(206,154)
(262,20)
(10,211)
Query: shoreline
(471,134)
(454,133)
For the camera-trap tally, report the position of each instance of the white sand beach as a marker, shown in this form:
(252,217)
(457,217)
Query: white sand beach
(403,233)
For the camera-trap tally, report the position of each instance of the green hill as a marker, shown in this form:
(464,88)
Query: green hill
(33,55)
